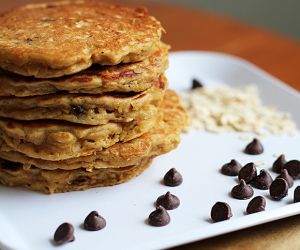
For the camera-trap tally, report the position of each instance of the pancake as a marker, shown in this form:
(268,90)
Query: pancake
(164,137)
(129,77)
(48,40)
(85,109)
(56,181)
(57,140)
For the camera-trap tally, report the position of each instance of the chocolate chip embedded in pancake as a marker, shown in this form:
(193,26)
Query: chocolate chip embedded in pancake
(56,181)
(164,137)
(85,109)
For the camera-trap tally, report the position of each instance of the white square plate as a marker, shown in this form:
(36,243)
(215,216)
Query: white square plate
(29,219)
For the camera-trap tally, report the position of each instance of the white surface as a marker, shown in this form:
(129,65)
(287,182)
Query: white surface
(29,219)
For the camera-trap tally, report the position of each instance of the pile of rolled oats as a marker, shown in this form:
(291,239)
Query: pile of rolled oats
(225,109)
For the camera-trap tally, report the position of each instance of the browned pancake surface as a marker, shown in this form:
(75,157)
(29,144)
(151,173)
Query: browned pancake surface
(61,38)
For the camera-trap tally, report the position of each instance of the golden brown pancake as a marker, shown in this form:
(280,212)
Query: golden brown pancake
(57,181)
(86,109)
(58,140)
(164,137)
(126,77)
(48,40)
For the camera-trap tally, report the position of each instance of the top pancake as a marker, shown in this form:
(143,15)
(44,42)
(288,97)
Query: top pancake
(61,38)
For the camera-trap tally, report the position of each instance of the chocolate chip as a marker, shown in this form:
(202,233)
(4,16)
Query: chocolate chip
(28,40)
(248,172)
(196,84)
(64,233)
(285,175)
(257,204)
(77,110)
(279,189)
(159,217)
(254,148)
(263,180)
(231,168)
(220,211)
(80,180)
(278,164)
(10,165)
(172,178)
(293,167)
(94,222)
(168,201)
(297,194)
(242,191)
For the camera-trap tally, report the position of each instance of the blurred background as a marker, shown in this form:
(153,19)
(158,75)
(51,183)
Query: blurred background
(281,16)
(278,15)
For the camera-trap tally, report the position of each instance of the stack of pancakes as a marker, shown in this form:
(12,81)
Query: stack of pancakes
(83,96)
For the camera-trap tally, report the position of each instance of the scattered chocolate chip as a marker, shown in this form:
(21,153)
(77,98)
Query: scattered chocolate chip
(285,175)
(248,172)
(94,222)
(293,167)
(168,201)
(297,194)
(77,110)
(279,189)
(196,84)
(172,178)
(159,217)
(64,233)
(220,211)
(257,204)
(254,148)
(278,164)
(231,168)
(263,180)
(242,191)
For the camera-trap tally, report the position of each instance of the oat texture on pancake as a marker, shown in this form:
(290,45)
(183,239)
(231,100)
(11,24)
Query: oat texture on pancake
(86,109)
(126,77)
(162,138)
(57,181)
(112,166)
(61,38)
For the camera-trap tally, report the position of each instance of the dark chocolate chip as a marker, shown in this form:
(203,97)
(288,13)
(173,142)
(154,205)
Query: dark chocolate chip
(278,164)
(285,175)
(279,189)
(263,180)
(64,233)
(28,40)
(168,201)
(80,180)
(293,167)
(248,172)
(159,217)
(172,178)
(196,84)
(242,191)
(77,110)
(297,194)
(94,222)
(257,204)
(220,211)
(231,168)
(254,148)
(10,165)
